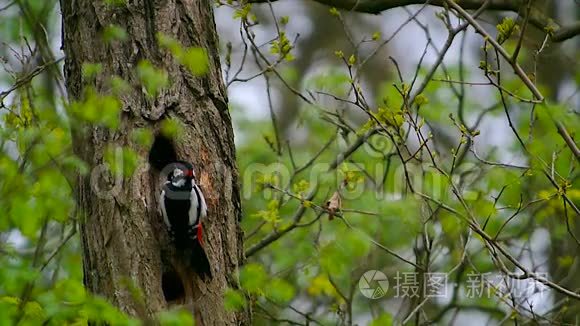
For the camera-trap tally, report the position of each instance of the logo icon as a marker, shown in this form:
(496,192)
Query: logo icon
(373,284)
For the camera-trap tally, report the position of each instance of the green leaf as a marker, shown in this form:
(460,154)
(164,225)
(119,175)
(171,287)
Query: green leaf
(351,60)
(385,319)
(565,261)
(91,70)
(243,12)
(70,291)
(354,244)
(171,128)
(279,291)
(121,160)
(301,187)
(33,311)
(26,215)
(333,258)
(421,99)
(114,33)
(333,11)
(195,60)
(98,109)
(74,163)
(176,318)
(142,136)
(253,278)
(116,3)
(153,79)
(505,29)
(234,300)
(282,47)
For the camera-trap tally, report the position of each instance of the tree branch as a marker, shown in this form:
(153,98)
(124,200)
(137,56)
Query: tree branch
(566,32)
(378,6)
(518,70)
(537,18)
(516,67)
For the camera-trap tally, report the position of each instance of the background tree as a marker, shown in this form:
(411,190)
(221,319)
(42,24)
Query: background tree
(440,135)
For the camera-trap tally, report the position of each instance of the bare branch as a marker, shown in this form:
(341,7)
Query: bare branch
(536,17)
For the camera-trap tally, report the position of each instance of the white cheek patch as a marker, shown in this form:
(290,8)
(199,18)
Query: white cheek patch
(177,173)
(178,183)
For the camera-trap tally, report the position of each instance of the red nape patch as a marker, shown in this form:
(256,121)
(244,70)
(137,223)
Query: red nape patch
(199,234)
(189,173)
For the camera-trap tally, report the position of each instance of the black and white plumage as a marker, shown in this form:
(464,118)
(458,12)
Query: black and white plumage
(183,208)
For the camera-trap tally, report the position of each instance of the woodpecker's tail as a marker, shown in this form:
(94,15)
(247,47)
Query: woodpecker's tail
(199,261)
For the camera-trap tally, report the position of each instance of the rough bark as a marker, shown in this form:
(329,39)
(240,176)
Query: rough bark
(126,252)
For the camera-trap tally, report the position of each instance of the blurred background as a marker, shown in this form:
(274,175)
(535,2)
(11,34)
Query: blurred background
(325,105)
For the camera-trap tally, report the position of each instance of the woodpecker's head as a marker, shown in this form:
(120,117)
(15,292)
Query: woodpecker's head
(182,174)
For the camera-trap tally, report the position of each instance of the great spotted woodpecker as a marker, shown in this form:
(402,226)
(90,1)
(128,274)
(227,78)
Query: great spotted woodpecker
(183,207)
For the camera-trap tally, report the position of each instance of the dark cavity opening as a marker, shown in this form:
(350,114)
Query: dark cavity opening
(172,286)
(162,152)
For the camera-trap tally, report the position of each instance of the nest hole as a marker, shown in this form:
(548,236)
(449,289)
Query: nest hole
(162,152)
(173,289)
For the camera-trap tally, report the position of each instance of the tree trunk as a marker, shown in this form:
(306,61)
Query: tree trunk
(127,257)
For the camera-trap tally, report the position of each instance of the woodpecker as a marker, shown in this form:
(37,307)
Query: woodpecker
(183,207)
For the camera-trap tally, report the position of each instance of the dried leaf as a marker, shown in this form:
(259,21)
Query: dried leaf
(333,205)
